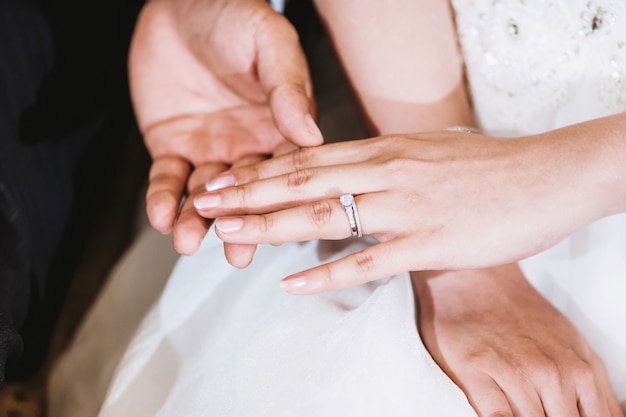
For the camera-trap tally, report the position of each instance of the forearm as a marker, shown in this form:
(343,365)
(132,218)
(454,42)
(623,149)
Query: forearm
(590,164)
(403,63)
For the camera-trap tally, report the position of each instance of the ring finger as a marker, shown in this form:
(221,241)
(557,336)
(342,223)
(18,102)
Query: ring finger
(323,219)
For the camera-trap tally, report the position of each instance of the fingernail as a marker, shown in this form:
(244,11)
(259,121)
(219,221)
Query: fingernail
(229,224)
(206,201)
(313,128)
(294,284)
(221,181)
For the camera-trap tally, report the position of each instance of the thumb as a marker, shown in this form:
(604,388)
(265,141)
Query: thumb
(285,79)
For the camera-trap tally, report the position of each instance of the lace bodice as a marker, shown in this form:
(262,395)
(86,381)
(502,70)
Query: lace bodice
(536,65)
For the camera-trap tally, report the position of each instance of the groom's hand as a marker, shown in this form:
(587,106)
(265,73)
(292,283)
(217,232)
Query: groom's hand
(212,82)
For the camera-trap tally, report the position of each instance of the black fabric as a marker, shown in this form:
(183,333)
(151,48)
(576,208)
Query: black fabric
(64,112)
(11,289)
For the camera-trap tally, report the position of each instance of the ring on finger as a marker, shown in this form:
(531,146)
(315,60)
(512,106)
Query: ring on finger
(349,204)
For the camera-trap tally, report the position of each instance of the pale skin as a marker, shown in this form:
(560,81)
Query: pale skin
(435,200)
(509,350)
(391,108)
(220,98)
(522,374)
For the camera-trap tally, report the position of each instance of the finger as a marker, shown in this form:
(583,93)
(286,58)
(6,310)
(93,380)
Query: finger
(613,405)
(189,230)
(321,219)
(343,153)
(558,394)
(284,76)
(167,182)
(485,396)
(375,262)
(299,160)
(522,395)
(605,387)
(595,393)
(302,186)
(190,227)
(316,220)
(239,256)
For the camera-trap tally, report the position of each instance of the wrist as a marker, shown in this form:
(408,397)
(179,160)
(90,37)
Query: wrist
(601,162)
(584,167)
(615,147)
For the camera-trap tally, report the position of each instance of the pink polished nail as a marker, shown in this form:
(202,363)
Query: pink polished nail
(229,224)
(294,284)
(221,181)
(206,201)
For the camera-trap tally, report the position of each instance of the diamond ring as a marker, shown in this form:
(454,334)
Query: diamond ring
(348,203)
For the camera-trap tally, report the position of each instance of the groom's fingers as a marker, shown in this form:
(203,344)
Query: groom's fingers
(190,228)
(166,188)
(239,256)
(283,72)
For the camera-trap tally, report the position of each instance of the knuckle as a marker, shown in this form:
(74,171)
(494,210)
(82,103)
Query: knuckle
(297,179)
(478,356)
(301,157)
(320,212)
(383,142)
(398,165)
(241,195)
(289,88)
(392,143)
(270,23)
(327,277)
(364,261)
(265,223)
(585,374)
(546,369)
(243,175)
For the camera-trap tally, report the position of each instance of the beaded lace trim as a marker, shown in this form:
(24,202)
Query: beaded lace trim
(527,57)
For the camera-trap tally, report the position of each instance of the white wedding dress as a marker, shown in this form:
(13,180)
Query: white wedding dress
(225,342)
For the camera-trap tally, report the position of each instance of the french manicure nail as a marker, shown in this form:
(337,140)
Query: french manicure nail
(221,181)
(229,224)
(294,284)
(206,201)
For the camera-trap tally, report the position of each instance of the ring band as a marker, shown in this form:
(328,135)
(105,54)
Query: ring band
(348,203)
(463,129)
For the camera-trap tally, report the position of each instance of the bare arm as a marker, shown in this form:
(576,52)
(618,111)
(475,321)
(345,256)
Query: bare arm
(404,63)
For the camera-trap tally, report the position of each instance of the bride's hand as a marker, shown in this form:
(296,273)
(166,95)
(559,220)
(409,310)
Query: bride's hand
(507,348)
(440,200)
